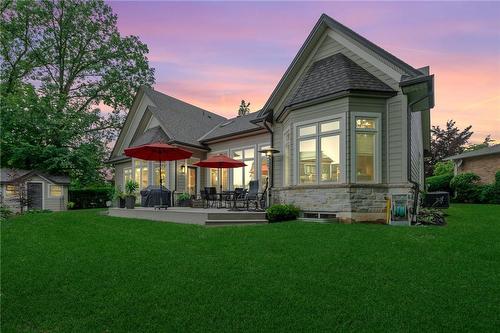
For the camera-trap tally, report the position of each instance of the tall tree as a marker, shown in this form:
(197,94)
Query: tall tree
(487,142)
(244,108)
(61,62)
(446,142)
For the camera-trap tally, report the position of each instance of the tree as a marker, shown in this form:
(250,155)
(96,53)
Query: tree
(446,142)
(244,108)
(487,142)
(61,61)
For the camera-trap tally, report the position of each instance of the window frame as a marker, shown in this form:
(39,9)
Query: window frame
(378,143)
(295,139)
(56,196)
(244,160)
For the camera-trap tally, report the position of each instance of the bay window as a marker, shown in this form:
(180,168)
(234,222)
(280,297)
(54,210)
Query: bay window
(319,152)
(366,149)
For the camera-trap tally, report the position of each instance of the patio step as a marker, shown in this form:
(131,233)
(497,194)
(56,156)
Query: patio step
(235,222)
(236,216)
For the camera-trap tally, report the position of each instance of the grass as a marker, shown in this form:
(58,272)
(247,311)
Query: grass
(84,272)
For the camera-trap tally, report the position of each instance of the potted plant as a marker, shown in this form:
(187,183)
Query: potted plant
(119,197)
(130,187)
(184,200)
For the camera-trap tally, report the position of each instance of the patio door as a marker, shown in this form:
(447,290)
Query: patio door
(35,195)
(192,180)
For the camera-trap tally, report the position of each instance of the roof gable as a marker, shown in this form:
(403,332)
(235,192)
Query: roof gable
(332,75)
(12,175)
(326,23)
(233,126)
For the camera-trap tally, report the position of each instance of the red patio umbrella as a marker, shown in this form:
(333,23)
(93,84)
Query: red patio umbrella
(220,161)
(158,152)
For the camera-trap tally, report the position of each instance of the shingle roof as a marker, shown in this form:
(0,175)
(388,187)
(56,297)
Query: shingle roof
(155,134)
(184,122)
(480,152)
(231,126)
(332,75)
(8,175)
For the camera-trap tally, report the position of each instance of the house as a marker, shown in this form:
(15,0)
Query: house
(40,190)
(483,162)
(351,122)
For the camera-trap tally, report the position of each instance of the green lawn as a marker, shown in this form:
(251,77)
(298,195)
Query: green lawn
(81,271)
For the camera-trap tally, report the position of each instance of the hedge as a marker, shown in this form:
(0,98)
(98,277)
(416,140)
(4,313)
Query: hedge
(90,197)
(467,189)
(277,213)
(439,183)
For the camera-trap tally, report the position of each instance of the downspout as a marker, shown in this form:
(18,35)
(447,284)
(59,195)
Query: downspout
(416,186)
(271,183)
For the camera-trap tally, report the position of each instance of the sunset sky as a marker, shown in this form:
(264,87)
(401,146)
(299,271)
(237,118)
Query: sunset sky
(214,54)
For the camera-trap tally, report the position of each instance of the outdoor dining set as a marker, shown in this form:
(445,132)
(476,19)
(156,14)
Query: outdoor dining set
(237,199)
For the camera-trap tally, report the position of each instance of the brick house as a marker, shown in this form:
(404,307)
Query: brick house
(483,162)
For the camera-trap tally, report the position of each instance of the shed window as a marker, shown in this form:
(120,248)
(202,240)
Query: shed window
(55,191)
(10,190)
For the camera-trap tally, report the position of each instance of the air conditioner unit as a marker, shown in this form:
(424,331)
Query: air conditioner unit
(437,199)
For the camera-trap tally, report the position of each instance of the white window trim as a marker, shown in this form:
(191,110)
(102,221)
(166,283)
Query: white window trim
(6,195)
(378,151)
(343,147)
(255,158)
(54,196)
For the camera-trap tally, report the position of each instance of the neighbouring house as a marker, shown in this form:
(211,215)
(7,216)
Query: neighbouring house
(483,162)
(33,189)
(351,122)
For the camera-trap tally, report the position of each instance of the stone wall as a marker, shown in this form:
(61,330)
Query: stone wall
(350,203)
(484,166)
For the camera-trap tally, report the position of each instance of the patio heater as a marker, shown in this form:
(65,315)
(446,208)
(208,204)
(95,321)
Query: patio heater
(269,152)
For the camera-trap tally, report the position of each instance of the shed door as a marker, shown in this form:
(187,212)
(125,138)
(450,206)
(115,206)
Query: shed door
(35,194)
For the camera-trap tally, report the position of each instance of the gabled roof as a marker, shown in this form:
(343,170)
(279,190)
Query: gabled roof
(237,125)
(8,175)
(155,134)
(332,75)
(492,150)
(184,122)
(321,26)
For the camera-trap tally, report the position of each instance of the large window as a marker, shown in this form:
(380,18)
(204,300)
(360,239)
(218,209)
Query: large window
(213,176)
(141,173)
(319,159)
(366,138)
(242,176)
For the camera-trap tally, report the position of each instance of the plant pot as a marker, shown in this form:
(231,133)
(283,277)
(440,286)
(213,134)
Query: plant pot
(121,202)
(184,203)
(130,202)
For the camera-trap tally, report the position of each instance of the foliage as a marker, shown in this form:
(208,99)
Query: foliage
(490,193)
(446,142)
(98,264)
(5,212)
(70,205)
(277,213)
(60,62)
(38,211)
(439,183)
(131,187)
(184,197)
(431,216)
(91,197)
(443,168)
(244,108)
(465,187)
(487,142)
(118,193)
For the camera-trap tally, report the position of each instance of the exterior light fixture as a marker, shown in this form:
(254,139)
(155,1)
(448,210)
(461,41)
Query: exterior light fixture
(269,152)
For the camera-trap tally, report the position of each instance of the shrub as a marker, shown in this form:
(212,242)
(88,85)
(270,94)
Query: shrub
(131,186)
(277,213)
(70,205)
(95,197)
(443,168)
(466,187)
(184,197)
(5,212)
(439,183)
(431,216)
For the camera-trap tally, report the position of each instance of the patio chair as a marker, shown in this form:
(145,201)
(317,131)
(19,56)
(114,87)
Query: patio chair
(239,196)
(212,196)
(253,196)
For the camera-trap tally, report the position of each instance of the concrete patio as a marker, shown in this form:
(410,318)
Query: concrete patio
(188,215)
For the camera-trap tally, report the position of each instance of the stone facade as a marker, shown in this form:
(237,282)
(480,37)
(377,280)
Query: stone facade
(350,203)
(484,166)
